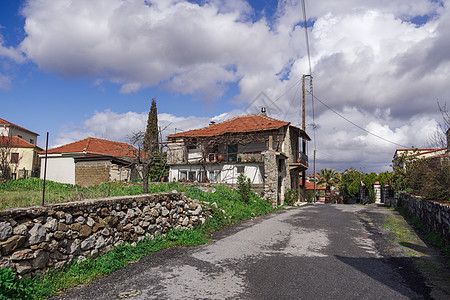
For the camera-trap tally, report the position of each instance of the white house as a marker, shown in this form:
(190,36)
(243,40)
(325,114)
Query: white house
(18,149)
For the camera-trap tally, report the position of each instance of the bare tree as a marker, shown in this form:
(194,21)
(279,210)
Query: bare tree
(439,139)
(9,158)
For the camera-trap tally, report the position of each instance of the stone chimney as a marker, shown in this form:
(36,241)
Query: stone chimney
(263,110)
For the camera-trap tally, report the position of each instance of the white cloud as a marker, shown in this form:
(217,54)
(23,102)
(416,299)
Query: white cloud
(120,126)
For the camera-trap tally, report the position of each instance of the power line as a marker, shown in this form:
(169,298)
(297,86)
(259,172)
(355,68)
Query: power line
(305,24)
(292,102)
(356,125)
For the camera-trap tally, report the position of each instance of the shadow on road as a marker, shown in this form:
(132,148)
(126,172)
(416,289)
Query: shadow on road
(403,267)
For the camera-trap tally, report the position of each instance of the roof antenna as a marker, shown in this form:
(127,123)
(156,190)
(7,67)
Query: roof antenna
(263,110)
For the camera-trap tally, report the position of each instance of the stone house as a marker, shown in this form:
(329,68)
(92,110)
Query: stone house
(264,149)
(19,145)
(90,161)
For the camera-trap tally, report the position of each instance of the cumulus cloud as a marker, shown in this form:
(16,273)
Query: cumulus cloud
(121,126)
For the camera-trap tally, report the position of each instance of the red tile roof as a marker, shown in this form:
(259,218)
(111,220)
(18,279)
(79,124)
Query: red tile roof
(4,122)
(243,124)
(310,186)
(96,146)
(15,141)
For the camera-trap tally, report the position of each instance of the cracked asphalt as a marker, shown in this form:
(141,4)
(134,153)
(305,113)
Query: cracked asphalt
(313,252)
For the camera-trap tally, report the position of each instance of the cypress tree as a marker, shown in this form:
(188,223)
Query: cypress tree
(151,144)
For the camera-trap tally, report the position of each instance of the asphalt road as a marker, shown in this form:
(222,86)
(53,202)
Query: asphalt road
(312,252)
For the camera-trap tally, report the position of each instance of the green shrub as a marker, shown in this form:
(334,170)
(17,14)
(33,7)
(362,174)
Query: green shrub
(13,288)
(290,196)
(244,187)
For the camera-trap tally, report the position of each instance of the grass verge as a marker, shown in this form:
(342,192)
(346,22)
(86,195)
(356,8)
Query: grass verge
(230,210)
(430,237)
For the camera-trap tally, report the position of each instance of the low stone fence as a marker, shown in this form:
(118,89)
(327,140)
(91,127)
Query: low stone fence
(435,216)
(36,238)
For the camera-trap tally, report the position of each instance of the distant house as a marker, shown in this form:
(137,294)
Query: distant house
(320,191)
(10,129)
(18,148)
(264,149)
(90,161)
(417,154)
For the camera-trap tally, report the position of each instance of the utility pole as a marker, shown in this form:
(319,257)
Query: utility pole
(303,140)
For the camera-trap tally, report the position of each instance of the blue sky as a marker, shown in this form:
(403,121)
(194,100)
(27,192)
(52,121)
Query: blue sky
(90,68)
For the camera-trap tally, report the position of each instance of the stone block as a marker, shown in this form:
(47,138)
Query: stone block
(76,227)
(12,244)
(85,231)
(22,255)
(5,230)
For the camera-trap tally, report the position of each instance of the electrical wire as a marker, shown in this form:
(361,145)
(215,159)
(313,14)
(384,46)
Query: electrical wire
(305,24)
(356,125)
(292,102)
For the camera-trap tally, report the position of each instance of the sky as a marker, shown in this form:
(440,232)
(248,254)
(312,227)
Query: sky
(79,68)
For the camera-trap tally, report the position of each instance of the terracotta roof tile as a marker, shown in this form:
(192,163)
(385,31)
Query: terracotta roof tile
(310,186)
(16,141)
(96,146)
(243,124)
(4,122)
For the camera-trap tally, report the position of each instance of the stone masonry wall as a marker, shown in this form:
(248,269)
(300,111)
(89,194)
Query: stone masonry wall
(435,216)
(36,238)
(92,173)
(270,176)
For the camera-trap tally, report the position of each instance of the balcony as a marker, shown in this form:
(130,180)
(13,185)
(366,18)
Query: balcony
(301,164)
(235,158)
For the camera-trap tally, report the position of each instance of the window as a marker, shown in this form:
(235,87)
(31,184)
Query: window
(14,158)
(201,176)
(191,175)
(240,169)
(217,176)
(183,175)
(32,141)
(19,136)
(232,152)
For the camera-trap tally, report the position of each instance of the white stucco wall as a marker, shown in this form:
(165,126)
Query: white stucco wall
(228,172)
(59,168)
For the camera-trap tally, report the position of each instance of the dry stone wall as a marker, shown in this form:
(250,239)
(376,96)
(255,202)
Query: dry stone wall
(435,216)
(36,238)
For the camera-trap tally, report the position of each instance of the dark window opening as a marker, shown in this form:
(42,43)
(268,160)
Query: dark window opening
(14,158)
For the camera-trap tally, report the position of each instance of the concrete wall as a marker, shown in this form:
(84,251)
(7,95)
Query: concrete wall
(36,238)
(59,168)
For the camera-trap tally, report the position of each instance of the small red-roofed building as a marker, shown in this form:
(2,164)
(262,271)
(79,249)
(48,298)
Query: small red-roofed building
(90,161)
(264,149)
(18,151)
